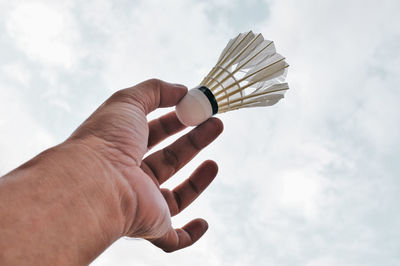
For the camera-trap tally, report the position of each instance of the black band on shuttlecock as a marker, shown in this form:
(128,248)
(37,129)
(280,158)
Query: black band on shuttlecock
(207,92)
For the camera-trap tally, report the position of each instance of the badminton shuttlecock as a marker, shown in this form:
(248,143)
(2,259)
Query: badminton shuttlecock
(249,73)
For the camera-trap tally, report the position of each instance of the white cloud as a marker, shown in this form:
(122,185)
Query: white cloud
(17,72)
(324,261)
(156,38)
(301,191)
(45,33)
(22,137)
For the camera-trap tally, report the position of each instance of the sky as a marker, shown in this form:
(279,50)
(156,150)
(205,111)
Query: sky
(312,181)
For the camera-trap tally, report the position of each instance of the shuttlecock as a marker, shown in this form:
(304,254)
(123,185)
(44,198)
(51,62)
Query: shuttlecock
(249,73)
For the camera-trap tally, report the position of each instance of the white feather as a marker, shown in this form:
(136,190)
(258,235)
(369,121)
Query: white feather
(248,64)
(248,73)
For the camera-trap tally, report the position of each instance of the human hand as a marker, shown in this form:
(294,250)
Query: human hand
(119,134)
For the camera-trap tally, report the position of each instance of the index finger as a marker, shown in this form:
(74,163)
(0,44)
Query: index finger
(163,127)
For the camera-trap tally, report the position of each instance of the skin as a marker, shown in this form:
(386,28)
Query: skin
(72,201)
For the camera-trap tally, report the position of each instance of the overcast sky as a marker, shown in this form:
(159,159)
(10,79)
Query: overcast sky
(313,180)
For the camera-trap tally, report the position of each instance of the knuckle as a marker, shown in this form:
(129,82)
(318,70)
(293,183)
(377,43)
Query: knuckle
(120,95)
(193,186)
(178,201)
(170,157)
(129,96)
(193,141)
(153,82)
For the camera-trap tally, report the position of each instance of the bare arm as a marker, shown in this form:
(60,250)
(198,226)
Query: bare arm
(69,203)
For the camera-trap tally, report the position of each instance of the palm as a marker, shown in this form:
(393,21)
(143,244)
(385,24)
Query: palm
(121,125)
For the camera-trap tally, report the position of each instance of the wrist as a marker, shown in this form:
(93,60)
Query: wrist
(107,169)
(106,192)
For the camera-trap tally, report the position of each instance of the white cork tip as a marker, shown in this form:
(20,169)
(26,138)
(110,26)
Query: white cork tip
(194,108)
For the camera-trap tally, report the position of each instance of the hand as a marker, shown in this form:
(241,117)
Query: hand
(120,135)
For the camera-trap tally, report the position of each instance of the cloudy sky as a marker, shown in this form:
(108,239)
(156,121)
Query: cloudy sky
(313,180)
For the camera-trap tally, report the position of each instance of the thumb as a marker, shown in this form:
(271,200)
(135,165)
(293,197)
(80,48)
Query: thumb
(155,93)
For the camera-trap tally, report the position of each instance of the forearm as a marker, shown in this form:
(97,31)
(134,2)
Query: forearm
(64,207)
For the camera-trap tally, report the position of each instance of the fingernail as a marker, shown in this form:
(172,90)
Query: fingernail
(205,225)
(179,85)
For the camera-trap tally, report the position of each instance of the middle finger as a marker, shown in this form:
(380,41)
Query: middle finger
(166,162)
